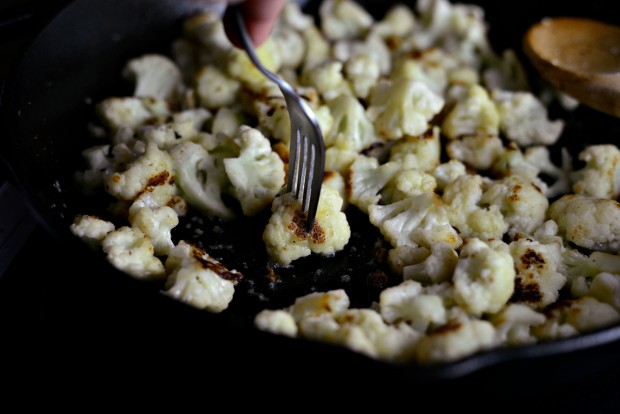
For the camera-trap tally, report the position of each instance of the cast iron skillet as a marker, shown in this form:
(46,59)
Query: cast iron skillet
(75,61)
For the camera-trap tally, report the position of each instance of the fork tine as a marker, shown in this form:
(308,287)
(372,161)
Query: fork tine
(294,164)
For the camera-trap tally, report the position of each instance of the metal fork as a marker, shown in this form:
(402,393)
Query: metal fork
(307,150)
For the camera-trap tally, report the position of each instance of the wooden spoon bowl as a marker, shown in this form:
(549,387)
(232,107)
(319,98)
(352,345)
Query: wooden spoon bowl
(580,57)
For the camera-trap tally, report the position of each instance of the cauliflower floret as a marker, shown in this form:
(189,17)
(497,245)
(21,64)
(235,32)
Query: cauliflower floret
(152,169)
(351,130)
(278,322)
(421,151)
(475,113)
(408,183)
(91,229)
(455,340)
(131,112)
(344,19)
(155,76)
(318,303)
(157,225)
(291,44)
(523,118)
(538,280)
(363,331)
(227,121)
(476,151)
(506,73)
(367,178)
(573,316)
(362,72)
(372,48)
(328,79)
(593,223)
(207,29)
(402,107)
(198,280)
(215,88)
(397,22)
(600,177)
(257,175)
(522,204)
(420,220)
(447,172)
(318,48)
(431,66)
(483,278)
(467,212)
(409,303)
(286,236)
(514,324)
(102,160)
(201,178)
(131,251)
(424,265)
(539,157)
(604,287)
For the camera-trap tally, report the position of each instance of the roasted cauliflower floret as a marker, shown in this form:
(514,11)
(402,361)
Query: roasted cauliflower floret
(420,220)
(420,151)
(476,151)
(522,204)
(367,178)
(523,118)
(473,114)
(351,129)
(483,278)
(157,225)
(593,223)
(215,88)
(344,19)
(402,107)
(201,178)
(426,265)
(278,322)
(538,279)
(600,177)
(257,174)
(131,251)
(131,112)
(409,303)
(198,280)
(514,324)
(91,229)
(154,75)
(287,238)
(152,169)
(468,213)
(604,287)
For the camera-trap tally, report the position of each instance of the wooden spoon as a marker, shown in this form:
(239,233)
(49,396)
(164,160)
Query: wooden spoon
(580,57)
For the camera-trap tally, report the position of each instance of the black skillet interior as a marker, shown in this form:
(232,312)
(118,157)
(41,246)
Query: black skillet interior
(76,61)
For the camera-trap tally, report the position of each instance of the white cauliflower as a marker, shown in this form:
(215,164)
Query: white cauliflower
(131,251)
(425,265)
(198,280)
(402,107)
(351,130)
(157,225)
(474,114)
(455,340)
(593,223)
(514,324)
(420,151)
(91,229)
(483,278)
(407,302)
(215,88)
(573,316)
(523,118)
(344,19)
(522,203)
(257,174)
(604,287)
(328,79)
(102,160)
(201,178)
(367,178)
(420,220)
(431,66)
(476,151)
(278,322)
(468,213)
(154,168)
(131,112)
(372,48)
(154,75)
(408,183)
(287,238)
(538,266)
(600,176)
(447,172)
(363,73)
(397,22)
